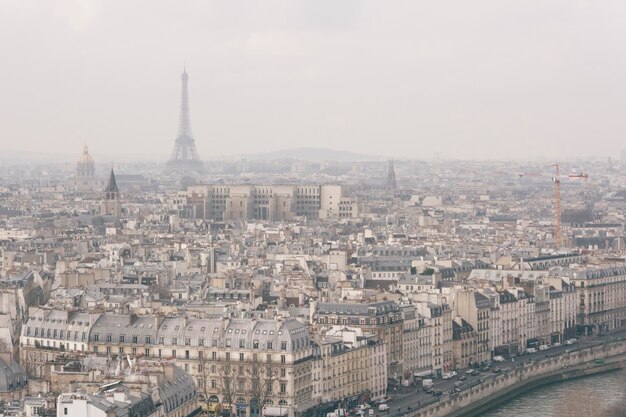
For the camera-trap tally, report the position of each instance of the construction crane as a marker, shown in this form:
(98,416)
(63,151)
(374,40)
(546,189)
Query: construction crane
(556,179)
(557,206)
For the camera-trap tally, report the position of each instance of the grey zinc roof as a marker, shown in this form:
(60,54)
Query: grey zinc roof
(178,390)
(129,326)
(73,324)
(382,307)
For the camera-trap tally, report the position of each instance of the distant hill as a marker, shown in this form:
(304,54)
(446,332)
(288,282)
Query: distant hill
(315,155)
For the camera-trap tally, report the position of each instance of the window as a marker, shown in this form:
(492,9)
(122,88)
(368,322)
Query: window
(96,337)
(283,388)
(95,349)
(228,342)
(283,359)
(174,352)
(121,350)
(283,372)
(227,356)
(241,357)
(161,340)
(134,339)
(121,338)
(270,345)
(255,344)
(200,342)
(213,384)
(148,339)
(175,341)
(108,338)
(242,344)
(283,345)
(214,355)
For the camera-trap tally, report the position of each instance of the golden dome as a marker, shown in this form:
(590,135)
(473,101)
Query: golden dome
(85,158)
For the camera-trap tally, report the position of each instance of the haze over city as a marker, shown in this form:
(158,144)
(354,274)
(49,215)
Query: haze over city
(312,208)
(409,79)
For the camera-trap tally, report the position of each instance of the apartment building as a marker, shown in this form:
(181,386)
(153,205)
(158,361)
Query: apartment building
(230,358)
(439,318)
(474,308)
(267,202)
(353,366)
(383,319)
(602,297)
(464,343)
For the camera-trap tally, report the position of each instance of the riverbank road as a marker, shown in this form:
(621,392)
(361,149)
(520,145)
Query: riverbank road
(406,399)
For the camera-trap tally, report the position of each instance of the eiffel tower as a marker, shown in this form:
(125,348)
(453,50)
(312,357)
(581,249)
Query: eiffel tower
(185,157)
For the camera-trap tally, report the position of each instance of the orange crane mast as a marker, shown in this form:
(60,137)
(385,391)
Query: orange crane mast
(557,206)
(557,198)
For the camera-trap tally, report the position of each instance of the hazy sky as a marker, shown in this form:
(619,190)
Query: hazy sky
(471,79)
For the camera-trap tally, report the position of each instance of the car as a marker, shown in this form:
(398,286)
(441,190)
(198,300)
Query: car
(498,358)
(571,341)
(437,393)
(557,344)
(428,390)
(531,350)
(496,370)
(544,347)
(458,383)
(457,390)
(462,378)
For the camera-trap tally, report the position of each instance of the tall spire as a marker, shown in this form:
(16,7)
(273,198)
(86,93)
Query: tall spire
(111,184)
(391,176)
(185,156)
(184,124)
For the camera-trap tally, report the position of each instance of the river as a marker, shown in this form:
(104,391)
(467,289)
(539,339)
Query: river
(553,400)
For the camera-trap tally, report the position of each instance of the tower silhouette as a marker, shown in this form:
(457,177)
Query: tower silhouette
(185,156)
(391,177)
(110,205)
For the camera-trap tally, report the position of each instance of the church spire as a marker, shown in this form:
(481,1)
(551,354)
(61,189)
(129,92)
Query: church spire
(112,184)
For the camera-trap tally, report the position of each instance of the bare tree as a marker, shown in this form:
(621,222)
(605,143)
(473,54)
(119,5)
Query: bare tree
(32,363)
(228,383)
(204,380)
(261,377)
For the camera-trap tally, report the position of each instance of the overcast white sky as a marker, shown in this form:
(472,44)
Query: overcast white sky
(470,79)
